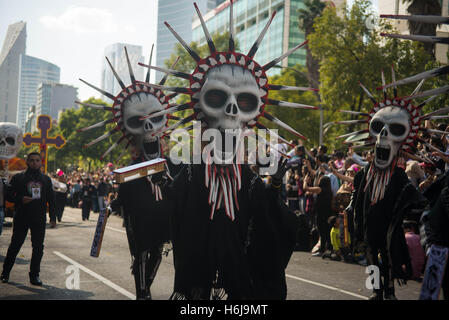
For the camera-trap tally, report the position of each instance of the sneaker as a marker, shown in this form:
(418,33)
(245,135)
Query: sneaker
(317,254)
(4,278)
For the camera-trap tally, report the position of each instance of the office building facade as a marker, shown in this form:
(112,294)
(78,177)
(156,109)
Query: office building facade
(30,124)
(53,97)
(250,17)
(398,7)
(14,46)
(179,14)
(33,72)
(116,55)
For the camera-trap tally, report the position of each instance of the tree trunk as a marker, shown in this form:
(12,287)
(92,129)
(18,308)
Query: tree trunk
(313,65)
(313,70)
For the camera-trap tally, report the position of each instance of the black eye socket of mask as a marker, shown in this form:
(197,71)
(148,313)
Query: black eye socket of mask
(134,122)
(10,141)
(377,126)
(247,102)
(215,98)
(397,129)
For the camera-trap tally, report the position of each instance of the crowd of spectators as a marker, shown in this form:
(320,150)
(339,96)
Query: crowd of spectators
(318,187)
(91,191)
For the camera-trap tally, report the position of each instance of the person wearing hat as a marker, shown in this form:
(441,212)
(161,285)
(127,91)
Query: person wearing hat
(414,172)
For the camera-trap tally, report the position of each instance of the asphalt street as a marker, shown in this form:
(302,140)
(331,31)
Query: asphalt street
(108,277)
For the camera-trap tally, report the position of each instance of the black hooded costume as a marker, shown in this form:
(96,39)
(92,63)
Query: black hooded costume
(380,225)
(147,228)
(243,259)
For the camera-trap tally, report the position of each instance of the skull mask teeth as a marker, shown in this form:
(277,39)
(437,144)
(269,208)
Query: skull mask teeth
(390,126)
(136,107)
(11,138)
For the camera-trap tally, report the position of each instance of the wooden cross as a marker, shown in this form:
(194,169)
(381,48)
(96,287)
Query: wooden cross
(44,126)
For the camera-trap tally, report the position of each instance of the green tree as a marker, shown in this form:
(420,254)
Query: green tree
(350,53)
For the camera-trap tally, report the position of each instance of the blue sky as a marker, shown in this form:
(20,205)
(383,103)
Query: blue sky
(74,33)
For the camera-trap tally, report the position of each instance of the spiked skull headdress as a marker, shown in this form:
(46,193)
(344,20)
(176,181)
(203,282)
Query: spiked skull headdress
(393,127)
(130,105)
(228,90)
(382,118)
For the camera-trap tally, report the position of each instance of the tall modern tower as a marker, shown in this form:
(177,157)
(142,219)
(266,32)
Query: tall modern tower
(14,47)
(179,14)
(116,55)
(33,72)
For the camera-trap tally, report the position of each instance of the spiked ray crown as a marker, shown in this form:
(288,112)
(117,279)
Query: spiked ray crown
(216,60)
(415,118)
(136,92)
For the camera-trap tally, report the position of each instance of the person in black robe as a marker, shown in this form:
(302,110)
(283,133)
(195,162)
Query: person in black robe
(380,227)
(147,226)
(241,259)
(87,193)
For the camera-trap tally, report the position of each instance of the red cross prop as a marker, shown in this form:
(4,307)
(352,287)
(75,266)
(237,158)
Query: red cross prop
(44,126)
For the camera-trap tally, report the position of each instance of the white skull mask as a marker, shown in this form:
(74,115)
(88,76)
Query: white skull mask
(390,126)
(135,107)
(11,138)
(230,97)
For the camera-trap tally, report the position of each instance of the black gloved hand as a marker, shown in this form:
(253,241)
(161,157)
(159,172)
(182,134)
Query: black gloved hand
(277,177)
(160,179)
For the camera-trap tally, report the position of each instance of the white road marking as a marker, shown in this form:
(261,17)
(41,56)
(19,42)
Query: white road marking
(110,228)
(96,275)
(113,229)
(70,218)
(327,287)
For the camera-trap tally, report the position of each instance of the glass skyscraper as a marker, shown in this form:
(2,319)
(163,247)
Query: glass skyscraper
(117,57)
(33,72)
(250,17)
(13,48)
(179,14)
